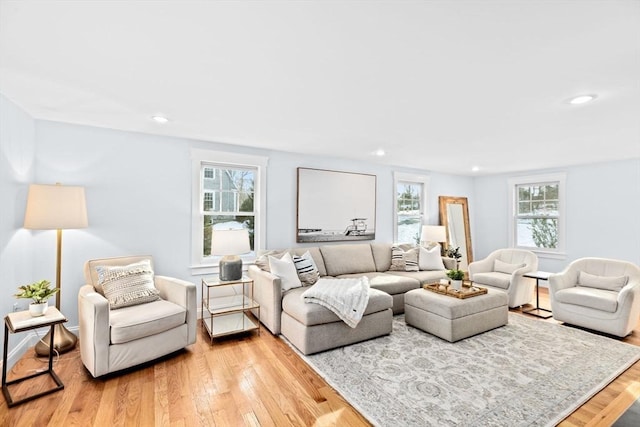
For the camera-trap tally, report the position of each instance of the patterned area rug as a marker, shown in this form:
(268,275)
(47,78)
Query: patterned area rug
(527,373)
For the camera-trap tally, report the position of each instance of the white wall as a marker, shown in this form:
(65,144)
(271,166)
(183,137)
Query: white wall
(17,155)
(138,190)
(602,208)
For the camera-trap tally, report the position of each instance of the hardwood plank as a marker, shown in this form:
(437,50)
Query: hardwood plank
(251,380)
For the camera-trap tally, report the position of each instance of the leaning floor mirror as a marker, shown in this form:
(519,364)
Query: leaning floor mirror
(454,215)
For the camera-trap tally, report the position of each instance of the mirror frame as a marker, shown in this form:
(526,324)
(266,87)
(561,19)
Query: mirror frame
(443,201)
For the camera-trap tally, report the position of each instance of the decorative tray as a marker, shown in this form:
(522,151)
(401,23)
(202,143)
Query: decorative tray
(468,290)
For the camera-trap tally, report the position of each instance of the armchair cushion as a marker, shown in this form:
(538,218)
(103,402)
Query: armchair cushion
(132,323)
(597,299)
(607,283)
(127,285)
(493,278)
(504,267)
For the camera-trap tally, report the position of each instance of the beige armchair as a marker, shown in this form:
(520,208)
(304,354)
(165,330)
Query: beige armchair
(503,269)
(597,293)
(112,340)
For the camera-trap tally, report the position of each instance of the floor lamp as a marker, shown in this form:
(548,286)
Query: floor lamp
(56,207)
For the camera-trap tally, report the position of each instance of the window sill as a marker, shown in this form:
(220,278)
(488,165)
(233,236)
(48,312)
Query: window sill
(212,268)
(547,254)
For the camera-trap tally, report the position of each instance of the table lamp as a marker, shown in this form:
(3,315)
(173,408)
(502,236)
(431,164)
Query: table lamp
(433,233)
(56,207)
(229,244)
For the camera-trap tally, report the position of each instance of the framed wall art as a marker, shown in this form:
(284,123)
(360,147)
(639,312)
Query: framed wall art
(335,206)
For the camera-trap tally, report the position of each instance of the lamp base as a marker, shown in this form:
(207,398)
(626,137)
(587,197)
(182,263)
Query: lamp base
(63,341)
(230,268)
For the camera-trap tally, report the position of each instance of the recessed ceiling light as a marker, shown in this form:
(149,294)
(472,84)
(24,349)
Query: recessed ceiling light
(475,168)
(160,119)
(581,99)
(380,152)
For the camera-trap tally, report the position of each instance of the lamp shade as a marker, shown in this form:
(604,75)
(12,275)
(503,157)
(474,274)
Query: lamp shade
(433,233)
(55,207)
(230,242)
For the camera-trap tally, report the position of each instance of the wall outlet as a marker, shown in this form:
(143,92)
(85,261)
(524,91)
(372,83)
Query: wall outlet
(16,307)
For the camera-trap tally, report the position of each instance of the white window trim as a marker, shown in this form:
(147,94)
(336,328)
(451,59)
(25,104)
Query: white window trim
(200,265)
(561,179)
(399,177)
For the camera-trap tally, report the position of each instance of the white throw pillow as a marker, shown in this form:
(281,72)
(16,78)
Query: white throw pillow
(286,271)
(505,267)
(430,259)
(607,283)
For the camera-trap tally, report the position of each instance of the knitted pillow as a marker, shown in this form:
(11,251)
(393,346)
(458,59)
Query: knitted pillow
(127,285)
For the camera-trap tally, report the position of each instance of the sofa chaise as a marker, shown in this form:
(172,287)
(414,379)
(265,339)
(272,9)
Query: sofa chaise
(311,327)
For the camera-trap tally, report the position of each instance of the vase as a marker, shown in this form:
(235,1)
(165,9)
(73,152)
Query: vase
(38,309)
(456,284)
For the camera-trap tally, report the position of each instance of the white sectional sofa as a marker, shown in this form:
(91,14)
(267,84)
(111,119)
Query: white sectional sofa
(312,328)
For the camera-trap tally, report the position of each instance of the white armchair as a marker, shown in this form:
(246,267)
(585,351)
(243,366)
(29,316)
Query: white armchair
(503,269)
(112,340)
(597,293)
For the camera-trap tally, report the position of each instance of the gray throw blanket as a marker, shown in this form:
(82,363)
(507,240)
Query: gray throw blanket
(347,298)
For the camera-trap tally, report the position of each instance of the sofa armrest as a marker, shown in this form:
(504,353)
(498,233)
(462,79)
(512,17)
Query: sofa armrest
(449,263)
(182,293)
(93,315)
(267,291)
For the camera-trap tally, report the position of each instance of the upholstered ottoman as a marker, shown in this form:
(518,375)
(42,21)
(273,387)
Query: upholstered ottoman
(453,319)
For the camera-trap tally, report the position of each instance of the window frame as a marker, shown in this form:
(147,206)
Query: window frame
(409,178)
(513,183)
(222,159)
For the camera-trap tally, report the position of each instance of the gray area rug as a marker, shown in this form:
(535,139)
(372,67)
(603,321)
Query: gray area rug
(631,417)
(527,373)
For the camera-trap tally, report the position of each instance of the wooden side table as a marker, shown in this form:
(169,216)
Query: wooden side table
(537,311)
(21,321)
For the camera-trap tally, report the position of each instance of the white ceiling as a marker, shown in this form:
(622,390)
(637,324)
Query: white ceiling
(439,85)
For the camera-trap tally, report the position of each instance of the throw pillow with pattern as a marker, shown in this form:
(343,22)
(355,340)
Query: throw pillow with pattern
(128,285)
(404,260)
(306,268)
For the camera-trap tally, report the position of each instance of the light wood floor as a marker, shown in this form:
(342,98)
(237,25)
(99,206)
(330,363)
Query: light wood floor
(250,380)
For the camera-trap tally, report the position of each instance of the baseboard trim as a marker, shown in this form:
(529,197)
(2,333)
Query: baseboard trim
(27,342)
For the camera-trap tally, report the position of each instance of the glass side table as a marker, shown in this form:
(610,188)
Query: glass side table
(229,314)
(23,321)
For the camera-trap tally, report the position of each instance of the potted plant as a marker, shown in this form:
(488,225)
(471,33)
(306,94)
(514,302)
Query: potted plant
(456,277)
(39,293)
(454,253)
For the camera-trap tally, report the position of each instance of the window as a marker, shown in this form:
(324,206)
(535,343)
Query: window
(410,196)
(228,193)
(537,220)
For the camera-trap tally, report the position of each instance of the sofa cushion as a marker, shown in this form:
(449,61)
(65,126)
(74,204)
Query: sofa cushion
(127,285)
(381,255)
(505,267)
(306,268)
(430,259)
(348,259)
(493,278)
(286,271)
(597,299)
(607,283)
(134,322)
(310,314)
(424,277)
(390,283)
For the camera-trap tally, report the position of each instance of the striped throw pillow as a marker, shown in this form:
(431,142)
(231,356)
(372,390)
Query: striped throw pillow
(404,260)
(128,285)
(306,268)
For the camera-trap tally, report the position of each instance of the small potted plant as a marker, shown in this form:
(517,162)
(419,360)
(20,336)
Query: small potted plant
(456,277)
(39,293)
(454,253)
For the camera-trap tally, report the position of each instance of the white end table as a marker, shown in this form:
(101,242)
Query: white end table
(23,321)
